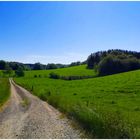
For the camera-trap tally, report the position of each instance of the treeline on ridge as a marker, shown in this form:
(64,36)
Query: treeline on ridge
(103,62)
(54,75)
(4,65)
(113,61)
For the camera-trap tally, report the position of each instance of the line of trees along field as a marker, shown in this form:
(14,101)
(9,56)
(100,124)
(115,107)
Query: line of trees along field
(113,61)
(8,68)
(37,66)
(103,62)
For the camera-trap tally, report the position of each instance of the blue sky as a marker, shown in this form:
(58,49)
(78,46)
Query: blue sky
(63,32)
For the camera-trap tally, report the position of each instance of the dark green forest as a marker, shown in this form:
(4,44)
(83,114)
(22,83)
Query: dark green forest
(4,65)
(113,61)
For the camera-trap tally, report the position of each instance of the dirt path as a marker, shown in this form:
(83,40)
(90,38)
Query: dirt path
(26,116)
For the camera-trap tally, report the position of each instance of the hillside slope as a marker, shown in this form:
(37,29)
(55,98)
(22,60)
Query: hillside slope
(74,70)
(96,102)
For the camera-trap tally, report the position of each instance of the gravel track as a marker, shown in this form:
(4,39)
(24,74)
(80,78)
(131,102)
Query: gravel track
(26,116)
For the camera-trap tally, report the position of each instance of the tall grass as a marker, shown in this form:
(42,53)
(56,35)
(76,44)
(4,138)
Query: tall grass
(107,106)
(99,122)
(4,90)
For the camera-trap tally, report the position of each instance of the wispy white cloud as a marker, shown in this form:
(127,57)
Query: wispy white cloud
(65,58)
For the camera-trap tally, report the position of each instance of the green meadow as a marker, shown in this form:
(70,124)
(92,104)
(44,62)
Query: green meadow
(107,107)
(4,90)
(1,73)
(75,71)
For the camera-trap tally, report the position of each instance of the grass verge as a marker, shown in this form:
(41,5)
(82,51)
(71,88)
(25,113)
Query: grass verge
(4,90)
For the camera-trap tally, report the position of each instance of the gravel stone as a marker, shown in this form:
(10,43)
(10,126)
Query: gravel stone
(34,120)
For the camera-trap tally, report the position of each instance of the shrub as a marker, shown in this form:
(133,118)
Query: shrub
(113,64)
(19,72)
(54,75)
(71,77)
(37,66)
(51,66)
(75,77)
(35,76)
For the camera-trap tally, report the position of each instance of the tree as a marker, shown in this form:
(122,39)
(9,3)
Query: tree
(54,75)
(115,64)
(51,66)
(38,66)
(75,63)
(90,61)
(2,65)
(108,66)
(14,65)
(8,70)
(19,72)
(95,58)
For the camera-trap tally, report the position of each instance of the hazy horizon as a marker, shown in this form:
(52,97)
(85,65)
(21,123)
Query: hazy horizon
(65,32)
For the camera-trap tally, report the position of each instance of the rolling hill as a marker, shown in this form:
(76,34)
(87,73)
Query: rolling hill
(106,106)
(74,70)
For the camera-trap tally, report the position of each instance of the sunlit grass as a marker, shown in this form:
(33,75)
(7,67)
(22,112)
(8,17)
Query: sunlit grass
(74,71)
(111,102)
(4,90)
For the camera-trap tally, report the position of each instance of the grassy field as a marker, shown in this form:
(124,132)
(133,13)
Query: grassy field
(1,73)
(4,75)
(75,71)
(107,106)
(4,90)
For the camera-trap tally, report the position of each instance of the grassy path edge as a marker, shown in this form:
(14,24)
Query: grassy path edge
(6,92)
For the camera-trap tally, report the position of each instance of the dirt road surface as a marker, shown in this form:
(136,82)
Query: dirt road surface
(26,116)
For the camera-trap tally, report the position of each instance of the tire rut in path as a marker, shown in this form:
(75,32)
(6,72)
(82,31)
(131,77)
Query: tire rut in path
(26,116)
